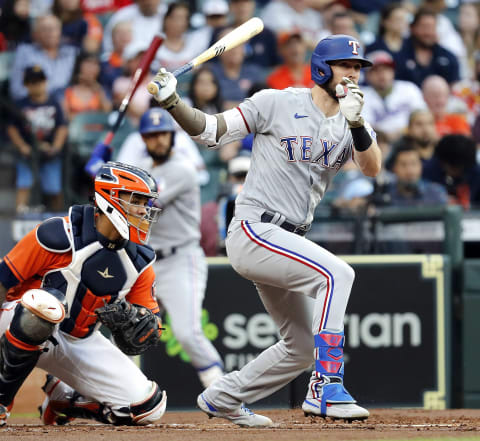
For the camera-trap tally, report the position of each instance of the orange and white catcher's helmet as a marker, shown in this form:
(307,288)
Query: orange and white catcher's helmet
(115,178)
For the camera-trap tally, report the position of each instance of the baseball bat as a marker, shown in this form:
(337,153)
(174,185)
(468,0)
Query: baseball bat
(233,39)
(137,78)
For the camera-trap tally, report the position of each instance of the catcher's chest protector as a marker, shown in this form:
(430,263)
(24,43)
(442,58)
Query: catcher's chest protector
(100,271)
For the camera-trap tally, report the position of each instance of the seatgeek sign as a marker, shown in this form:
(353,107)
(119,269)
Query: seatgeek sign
(395,354)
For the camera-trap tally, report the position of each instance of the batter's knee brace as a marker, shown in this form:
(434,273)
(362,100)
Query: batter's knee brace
(151,409)
(33,323)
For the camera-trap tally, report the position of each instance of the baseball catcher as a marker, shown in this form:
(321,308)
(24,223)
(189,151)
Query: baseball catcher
(65,278)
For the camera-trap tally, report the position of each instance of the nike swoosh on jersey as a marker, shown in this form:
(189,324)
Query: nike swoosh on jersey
(297,116)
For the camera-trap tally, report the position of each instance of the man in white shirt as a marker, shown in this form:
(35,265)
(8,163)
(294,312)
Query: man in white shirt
(389,102)
(293,15)
(145,16)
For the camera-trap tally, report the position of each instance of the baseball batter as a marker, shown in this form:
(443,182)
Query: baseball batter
(302,138)
(53,285)
(180,268)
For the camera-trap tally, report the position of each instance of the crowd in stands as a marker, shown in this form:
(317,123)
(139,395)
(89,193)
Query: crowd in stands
(63,59)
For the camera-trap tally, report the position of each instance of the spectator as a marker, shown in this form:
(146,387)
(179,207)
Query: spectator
(294,72)
(146,18)
(330,9)
(39,133)
(469,91)
(444,107)
(79,29)
(216,17)
(454,166)
(389,102)
(353,191)
(103,8)
(15,23)
(392,30)
(408,188)
(476,136)
(262,48)
(179,46)
(205,91)
(216,215)
(140,102)
(421,134)
(448,37)
(468,26)
(112,64)
(234,75)
(86,94)
(344,24)
(293,15)
(56,60)
(421,55)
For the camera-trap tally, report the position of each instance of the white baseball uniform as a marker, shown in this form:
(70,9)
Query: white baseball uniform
(181,268)
(296,153)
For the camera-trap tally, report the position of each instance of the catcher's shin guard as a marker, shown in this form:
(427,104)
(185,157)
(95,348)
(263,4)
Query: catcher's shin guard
(63,404)
(17,360)
(151,409)
(33,323)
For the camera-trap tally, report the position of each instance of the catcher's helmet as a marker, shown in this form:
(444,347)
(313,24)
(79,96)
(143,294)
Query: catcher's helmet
(131,219)
(334,48)
(156,119)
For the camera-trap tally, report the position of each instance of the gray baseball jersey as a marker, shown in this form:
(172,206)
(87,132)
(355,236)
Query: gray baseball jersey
(296,153)
(179,221)
(181,268)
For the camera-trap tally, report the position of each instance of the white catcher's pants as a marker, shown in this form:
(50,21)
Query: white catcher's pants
(305,289)
(93,366)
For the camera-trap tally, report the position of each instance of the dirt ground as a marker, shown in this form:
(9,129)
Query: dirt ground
(290,425)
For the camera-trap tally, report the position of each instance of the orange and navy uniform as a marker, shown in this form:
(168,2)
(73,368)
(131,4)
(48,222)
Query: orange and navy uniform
(30,264)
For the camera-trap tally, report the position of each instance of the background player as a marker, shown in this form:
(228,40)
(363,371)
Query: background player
(181,269)
(302,138)
(54,280)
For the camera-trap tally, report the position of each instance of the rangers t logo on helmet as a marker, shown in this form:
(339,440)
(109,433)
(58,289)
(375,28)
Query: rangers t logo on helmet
(334,48)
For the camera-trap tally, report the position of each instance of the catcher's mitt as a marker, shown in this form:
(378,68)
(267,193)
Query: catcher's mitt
(134,327)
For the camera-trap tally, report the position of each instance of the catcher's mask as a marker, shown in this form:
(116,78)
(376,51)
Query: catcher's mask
(126,195)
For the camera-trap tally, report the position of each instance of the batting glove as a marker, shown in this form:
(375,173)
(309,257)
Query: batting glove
(350,98)
(167,84)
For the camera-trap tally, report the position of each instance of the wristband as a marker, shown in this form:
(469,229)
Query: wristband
(171,101)
(361,139)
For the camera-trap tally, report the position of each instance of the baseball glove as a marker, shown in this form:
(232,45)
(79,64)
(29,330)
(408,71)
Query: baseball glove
(134,328)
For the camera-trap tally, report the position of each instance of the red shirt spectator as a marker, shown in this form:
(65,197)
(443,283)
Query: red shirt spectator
(294,72)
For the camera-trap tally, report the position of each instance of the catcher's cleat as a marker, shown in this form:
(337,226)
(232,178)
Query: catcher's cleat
(62,405)
(242,416)
(336,411)
(53,404)
(4,414)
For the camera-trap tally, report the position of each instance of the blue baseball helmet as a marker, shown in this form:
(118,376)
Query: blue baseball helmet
(334,48)
(156,119)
